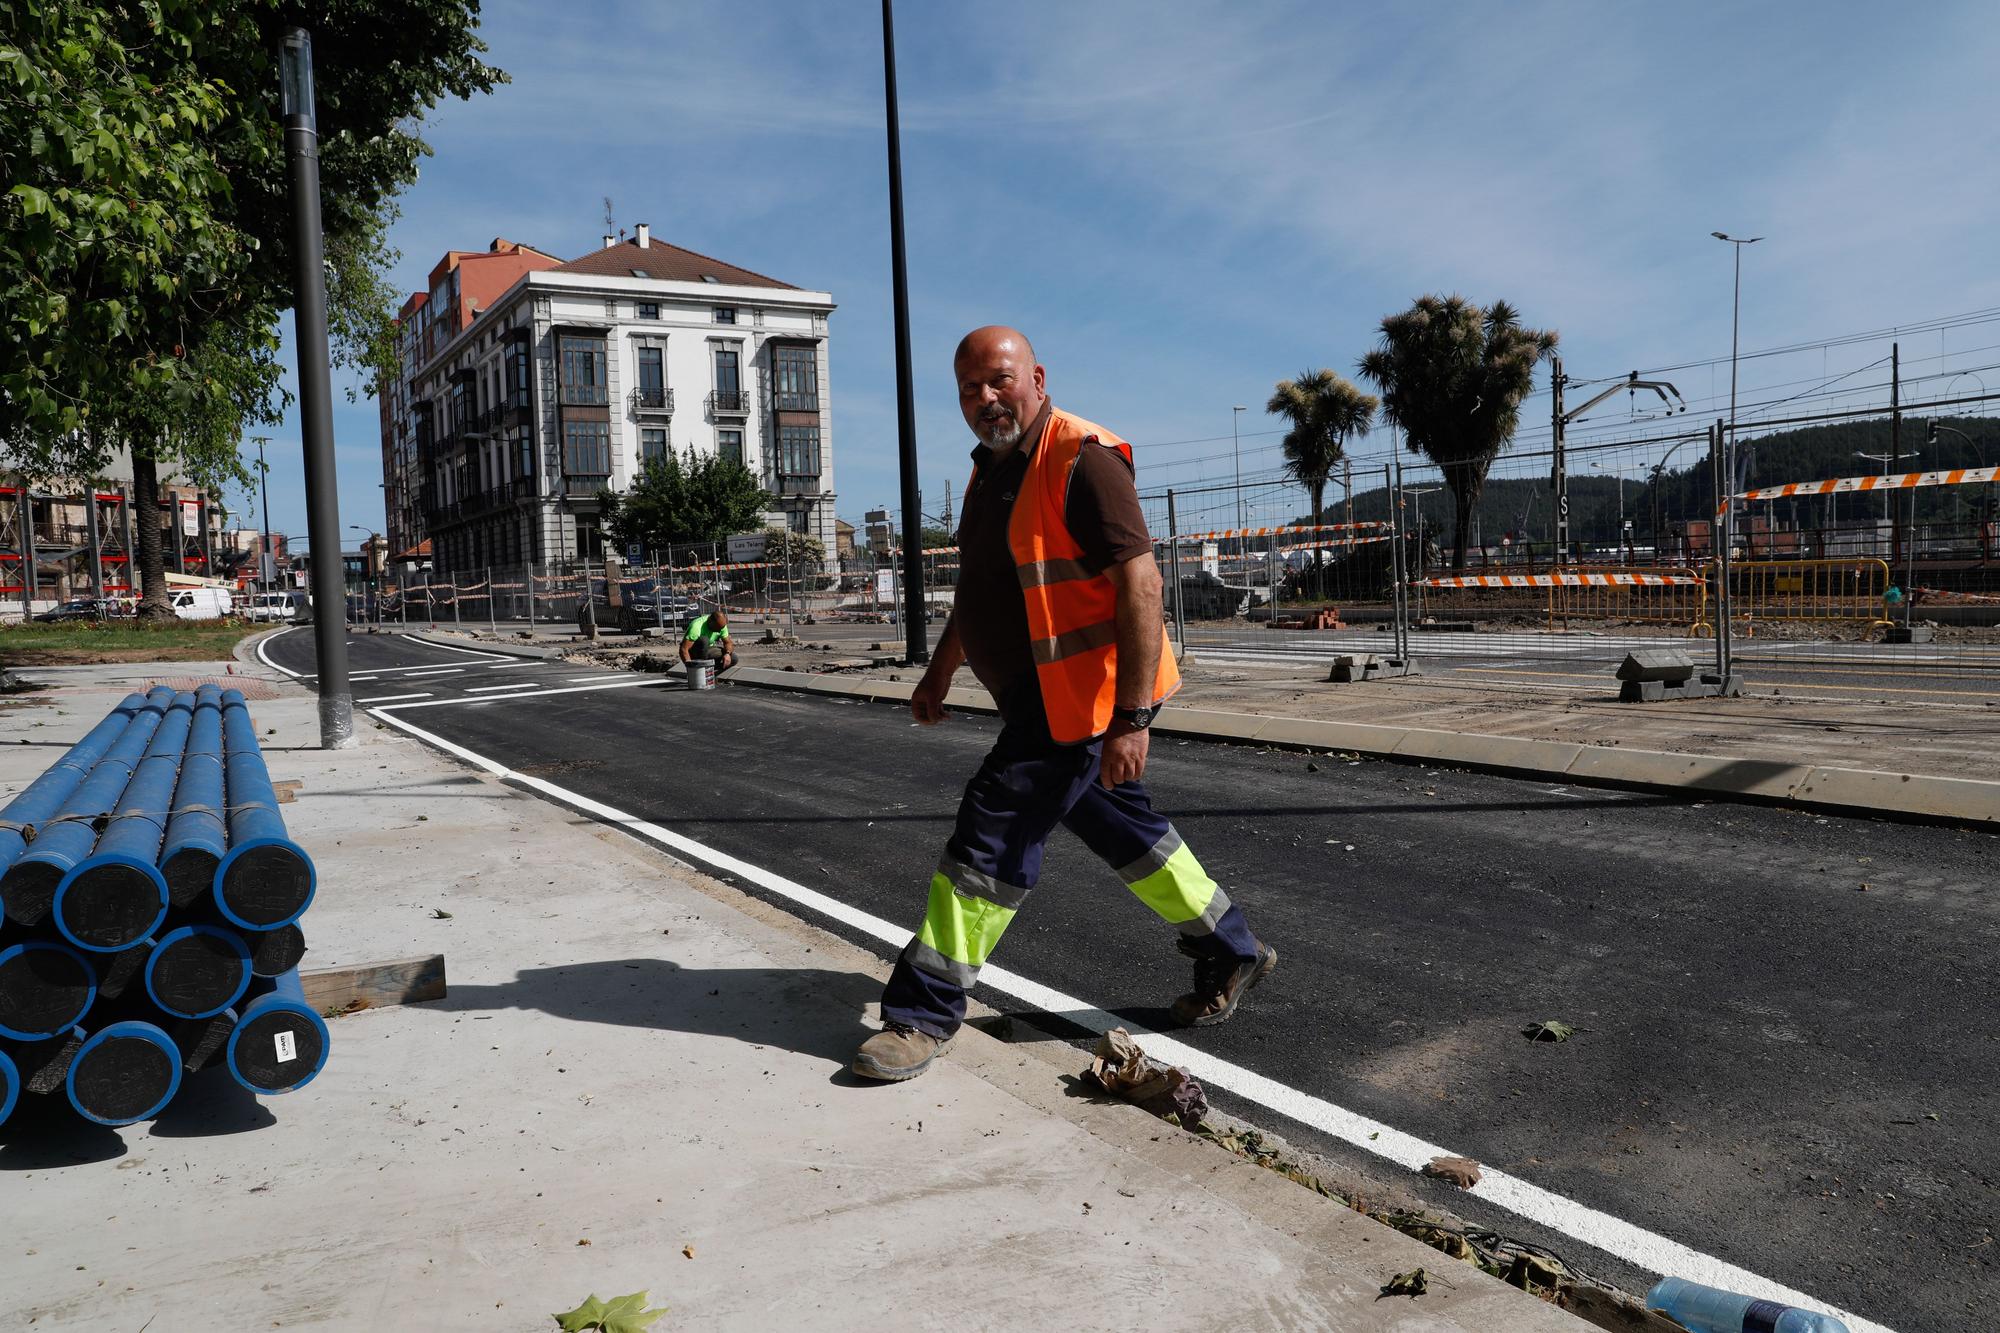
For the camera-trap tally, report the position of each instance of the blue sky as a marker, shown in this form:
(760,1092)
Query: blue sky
(1182,203)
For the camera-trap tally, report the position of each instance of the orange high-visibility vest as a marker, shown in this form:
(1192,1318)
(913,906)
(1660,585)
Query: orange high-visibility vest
(1072,613)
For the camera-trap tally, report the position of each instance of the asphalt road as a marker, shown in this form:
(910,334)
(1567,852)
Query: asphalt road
(1787,1056)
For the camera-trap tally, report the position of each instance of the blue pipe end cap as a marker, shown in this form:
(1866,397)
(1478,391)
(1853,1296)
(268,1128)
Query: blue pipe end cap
(279,1046)
(265,883)
(125,1073)
(45,989)
(198,971)
(110,903)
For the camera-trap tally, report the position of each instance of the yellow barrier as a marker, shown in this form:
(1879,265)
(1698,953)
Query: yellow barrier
(1633,599)
(1841,592)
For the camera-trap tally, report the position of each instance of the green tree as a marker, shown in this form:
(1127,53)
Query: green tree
(935,538)
(1325,411)
(685,497)
(1452,376)
(145,250)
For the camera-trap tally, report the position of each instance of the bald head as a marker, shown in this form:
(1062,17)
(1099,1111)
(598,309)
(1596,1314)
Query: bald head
(1000,384)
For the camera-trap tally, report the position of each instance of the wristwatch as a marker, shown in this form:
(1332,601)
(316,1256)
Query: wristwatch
(1136,718)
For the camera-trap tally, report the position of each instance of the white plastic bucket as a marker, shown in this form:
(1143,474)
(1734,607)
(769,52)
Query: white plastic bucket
(701,675)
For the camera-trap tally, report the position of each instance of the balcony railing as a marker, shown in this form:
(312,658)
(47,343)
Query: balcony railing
(575,484)
(798,485)
(653,398)
(585,395)
(797,402)
(729,402)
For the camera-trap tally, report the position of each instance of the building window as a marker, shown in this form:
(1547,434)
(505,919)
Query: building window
(516,361)
(652,368)
(729,381)
(798,520)
(586,455)
(725,314)
(798,460)
(649,310)
(652,446)
(527,457)
(729,444)
(796,370)
(583,370)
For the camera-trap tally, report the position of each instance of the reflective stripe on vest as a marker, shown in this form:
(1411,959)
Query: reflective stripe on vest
(1072,613)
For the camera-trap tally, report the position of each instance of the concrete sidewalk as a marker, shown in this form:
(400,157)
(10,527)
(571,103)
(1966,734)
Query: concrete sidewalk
(638,1082)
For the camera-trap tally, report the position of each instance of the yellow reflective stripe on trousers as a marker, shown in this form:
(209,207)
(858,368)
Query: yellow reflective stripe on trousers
(960,928)
(1180,890)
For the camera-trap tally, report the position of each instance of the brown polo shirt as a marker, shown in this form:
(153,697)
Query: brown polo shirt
(1104,516)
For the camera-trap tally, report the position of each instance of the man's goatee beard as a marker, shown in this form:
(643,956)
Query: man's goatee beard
(1003,434)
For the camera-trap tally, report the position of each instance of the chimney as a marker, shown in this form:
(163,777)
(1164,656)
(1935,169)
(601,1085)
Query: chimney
(607,240)
(645,235)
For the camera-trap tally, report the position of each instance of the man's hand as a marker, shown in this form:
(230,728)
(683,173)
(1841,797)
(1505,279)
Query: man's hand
(927,700)
(1124,757)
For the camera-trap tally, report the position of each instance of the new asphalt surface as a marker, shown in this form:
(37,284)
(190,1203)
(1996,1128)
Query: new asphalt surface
(1786,1048)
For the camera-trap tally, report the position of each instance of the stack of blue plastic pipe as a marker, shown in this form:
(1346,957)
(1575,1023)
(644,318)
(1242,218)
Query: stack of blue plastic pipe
(149,917)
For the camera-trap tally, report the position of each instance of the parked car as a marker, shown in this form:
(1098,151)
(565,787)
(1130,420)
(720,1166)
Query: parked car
(84,608)
(201,603)
(644,607)
(270,606)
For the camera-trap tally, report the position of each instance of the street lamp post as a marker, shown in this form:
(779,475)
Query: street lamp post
(916,646)
(267,563)
(1735,314)
(1236,448)
(336,694)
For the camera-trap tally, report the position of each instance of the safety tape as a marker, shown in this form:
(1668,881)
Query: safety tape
(1945,596)
(1895,481)
(1559,581)
(1368,525)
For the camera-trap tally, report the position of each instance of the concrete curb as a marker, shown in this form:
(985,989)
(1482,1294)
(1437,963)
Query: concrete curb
(1847,791)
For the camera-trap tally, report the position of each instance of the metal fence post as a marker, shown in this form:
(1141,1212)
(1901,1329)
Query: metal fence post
(492,615)
(456,621)
(1174,560)
(1725,505)
(1392,485)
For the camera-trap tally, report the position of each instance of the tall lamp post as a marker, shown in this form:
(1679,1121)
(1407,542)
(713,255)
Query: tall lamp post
(1236,448)
(1735,313)
(916,648)
(267,563)
(329,586)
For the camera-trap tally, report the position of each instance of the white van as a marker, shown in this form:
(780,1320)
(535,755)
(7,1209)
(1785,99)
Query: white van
(201,603)
(270,606)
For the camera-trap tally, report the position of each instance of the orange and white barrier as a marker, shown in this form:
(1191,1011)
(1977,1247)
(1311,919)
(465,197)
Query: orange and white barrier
(1558,581)
(1894,481)
(1371,525)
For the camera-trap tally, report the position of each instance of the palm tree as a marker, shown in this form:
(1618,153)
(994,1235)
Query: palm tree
(1452,377)
(1324,410)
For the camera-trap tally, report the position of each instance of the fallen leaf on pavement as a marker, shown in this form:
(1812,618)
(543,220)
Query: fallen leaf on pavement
(440,914)
(1460,1171)
(1550,1031)
(1413,1283)
(687,1250)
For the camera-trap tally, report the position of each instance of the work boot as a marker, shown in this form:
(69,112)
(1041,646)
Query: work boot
(1219,983)
(898,1052)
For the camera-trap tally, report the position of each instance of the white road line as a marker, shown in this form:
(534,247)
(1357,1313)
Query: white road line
(575,680)
(453,648)
(387,698)
(1644,1249)
(539,693)
(503,666)
(430,671)
(267,661)
(488,689)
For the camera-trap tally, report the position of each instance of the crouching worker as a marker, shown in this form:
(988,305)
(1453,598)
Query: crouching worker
(707,640)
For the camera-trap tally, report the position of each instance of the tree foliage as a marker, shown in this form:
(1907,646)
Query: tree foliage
(801,550)
(145,240)
(1452,376)
(686,497)
(1324,410)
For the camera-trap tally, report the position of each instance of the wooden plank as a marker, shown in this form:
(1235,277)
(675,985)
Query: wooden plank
(339,990)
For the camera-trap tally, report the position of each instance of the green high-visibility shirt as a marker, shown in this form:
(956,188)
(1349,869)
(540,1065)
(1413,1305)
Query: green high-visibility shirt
(699,631)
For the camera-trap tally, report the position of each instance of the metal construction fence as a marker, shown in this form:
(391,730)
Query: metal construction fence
(1909,596)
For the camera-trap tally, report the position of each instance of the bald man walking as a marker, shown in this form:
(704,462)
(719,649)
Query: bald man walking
(1058,614)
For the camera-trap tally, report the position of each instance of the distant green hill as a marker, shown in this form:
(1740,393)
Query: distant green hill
(1515,505)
